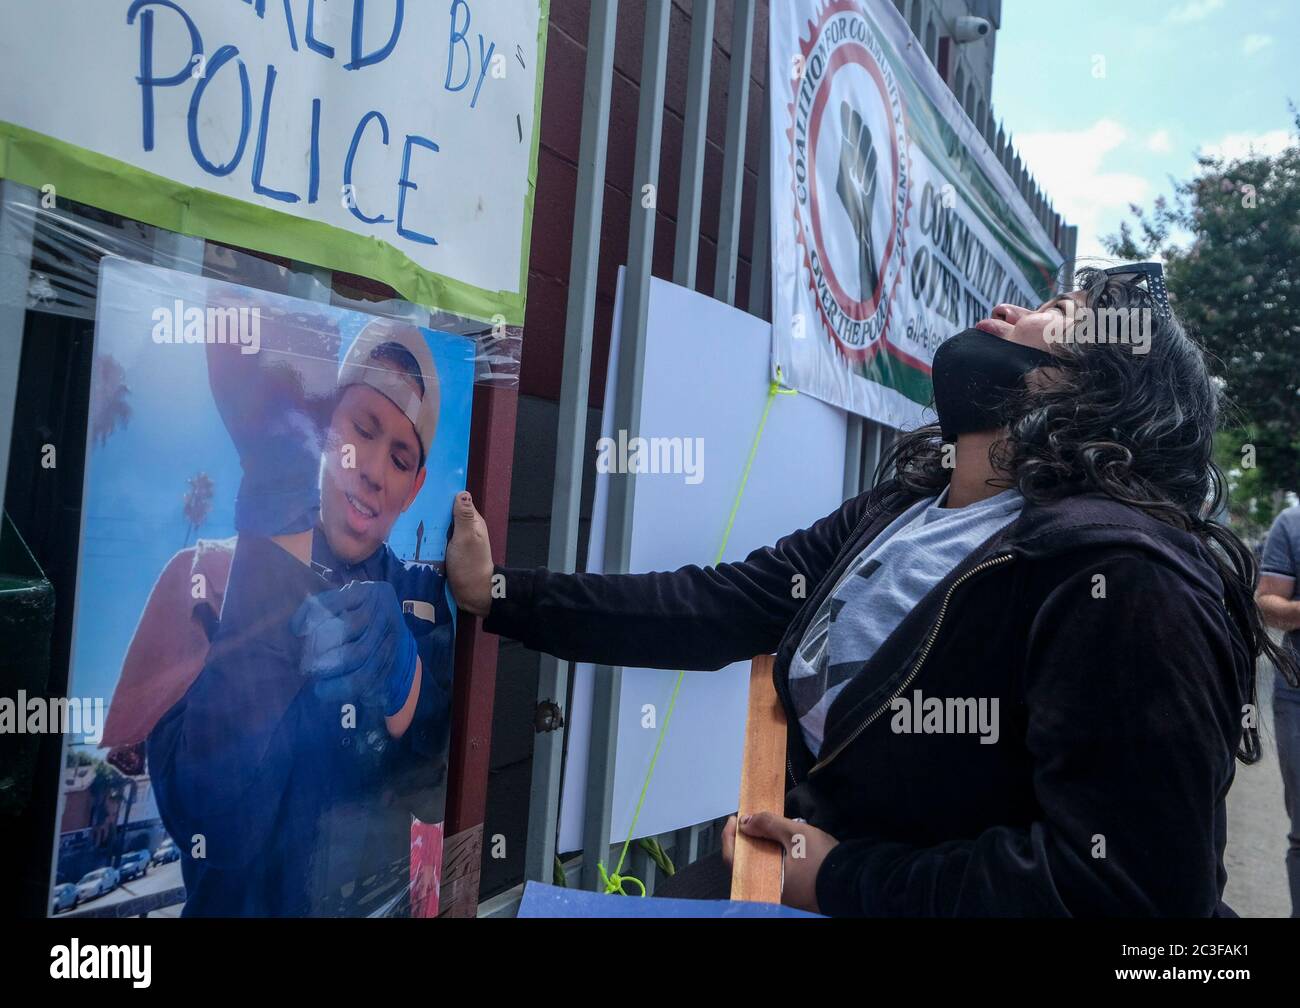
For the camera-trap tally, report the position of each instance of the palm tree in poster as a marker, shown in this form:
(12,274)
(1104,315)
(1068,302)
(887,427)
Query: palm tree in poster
(109,407)
(198,502)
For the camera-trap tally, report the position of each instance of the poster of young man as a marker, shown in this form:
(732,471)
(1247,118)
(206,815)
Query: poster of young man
(277,735)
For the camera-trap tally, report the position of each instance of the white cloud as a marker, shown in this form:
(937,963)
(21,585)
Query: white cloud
(1239,145)
(1252,44)
(1069,166)
(1194,10)
(1159,143)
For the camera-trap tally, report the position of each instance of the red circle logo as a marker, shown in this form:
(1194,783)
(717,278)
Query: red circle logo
(848,154)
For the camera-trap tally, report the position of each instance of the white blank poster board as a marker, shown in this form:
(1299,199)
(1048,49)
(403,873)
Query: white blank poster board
(707,368)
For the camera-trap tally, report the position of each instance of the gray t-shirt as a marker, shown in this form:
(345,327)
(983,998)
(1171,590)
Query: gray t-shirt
(1282,558)
(880,587)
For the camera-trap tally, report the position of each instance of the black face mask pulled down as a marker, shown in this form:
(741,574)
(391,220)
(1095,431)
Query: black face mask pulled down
(975,375)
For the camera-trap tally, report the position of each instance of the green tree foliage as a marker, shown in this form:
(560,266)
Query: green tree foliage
(1252,502)
(1230,241)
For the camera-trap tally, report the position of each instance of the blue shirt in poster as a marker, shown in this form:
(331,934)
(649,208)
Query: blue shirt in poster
(279,806)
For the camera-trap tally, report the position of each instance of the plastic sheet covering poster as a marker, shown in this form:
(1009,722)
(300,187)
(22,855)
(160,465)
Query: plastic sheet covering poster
(261,611)
(893,224)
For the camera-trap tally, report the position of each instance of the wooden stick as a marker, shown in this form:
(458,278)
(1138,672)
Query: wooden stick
(756,869)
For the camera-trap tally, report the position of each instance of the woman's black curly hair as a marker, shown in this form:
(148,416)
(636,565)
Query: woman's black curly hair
(1137,426)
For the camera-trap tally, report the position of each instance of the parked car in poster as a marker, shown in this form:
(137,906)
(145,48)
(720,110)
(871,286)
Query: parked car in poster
(96,883)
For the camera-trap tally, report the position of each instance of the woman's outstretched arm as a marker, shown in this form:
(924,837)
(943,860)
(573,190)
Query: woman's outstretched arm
(699,618)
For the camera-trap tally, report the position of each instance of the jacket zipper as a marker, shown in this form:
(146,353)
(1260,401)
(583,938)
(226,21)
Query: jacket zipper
(929,643)
(870,515)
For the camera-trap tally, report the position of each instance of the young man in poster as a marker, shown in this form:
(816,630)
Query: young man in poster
(288,773)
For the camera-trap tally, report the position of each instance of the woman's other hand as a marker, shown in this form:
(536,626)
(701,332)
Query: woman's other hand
(469,557)
(805,848)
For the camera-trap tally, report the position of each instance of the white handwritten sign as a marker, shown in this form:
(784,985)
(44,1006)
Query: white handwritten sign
(391,138)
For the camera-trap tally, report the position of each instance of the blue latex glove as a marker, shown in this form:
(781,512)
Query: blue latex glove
(355,645)
(276,405)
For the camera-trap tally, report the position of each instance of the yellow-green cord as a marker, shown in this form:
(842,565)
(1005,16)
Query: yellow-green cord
(613,882)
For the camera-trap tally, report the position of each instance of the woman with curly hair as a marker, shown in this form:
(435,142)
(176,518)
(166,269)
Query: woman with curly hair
(1020,683)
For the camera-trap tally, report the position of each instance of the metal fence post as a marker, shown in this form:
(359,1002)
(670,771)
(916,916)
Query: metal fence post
(686,252)
(733,152)
(631,365)
(760,256)
(566,497)
(853,473)
(694,140)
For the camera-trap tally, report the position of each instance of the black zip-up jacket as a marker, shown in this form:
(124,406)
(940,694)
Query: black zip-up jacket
(1116,654)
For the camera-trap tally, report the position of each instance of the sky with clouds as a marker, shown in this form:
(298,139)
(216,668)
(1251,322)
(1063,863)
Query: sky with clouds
(1107,100)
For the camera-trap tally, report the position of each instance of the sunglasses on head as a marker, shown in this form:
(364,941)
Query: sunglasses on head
(1151,277)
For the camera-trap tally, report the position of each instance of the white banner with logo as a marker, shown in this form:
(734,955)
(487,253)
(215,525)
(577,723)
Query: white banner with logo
(894,226)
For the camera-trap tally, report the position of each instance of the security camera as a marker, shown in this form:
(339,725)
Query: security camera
(968,29)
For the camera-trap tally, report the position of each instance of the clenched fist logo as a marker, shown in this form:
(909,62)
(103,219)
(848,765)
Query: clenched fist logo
(856,187)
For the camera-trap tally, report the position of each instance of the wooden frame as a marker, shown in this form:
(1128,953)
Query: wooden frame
(757,869)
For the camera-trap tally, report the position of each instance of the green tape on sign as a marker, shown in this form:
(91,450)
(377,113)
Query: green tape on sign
(37,160)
